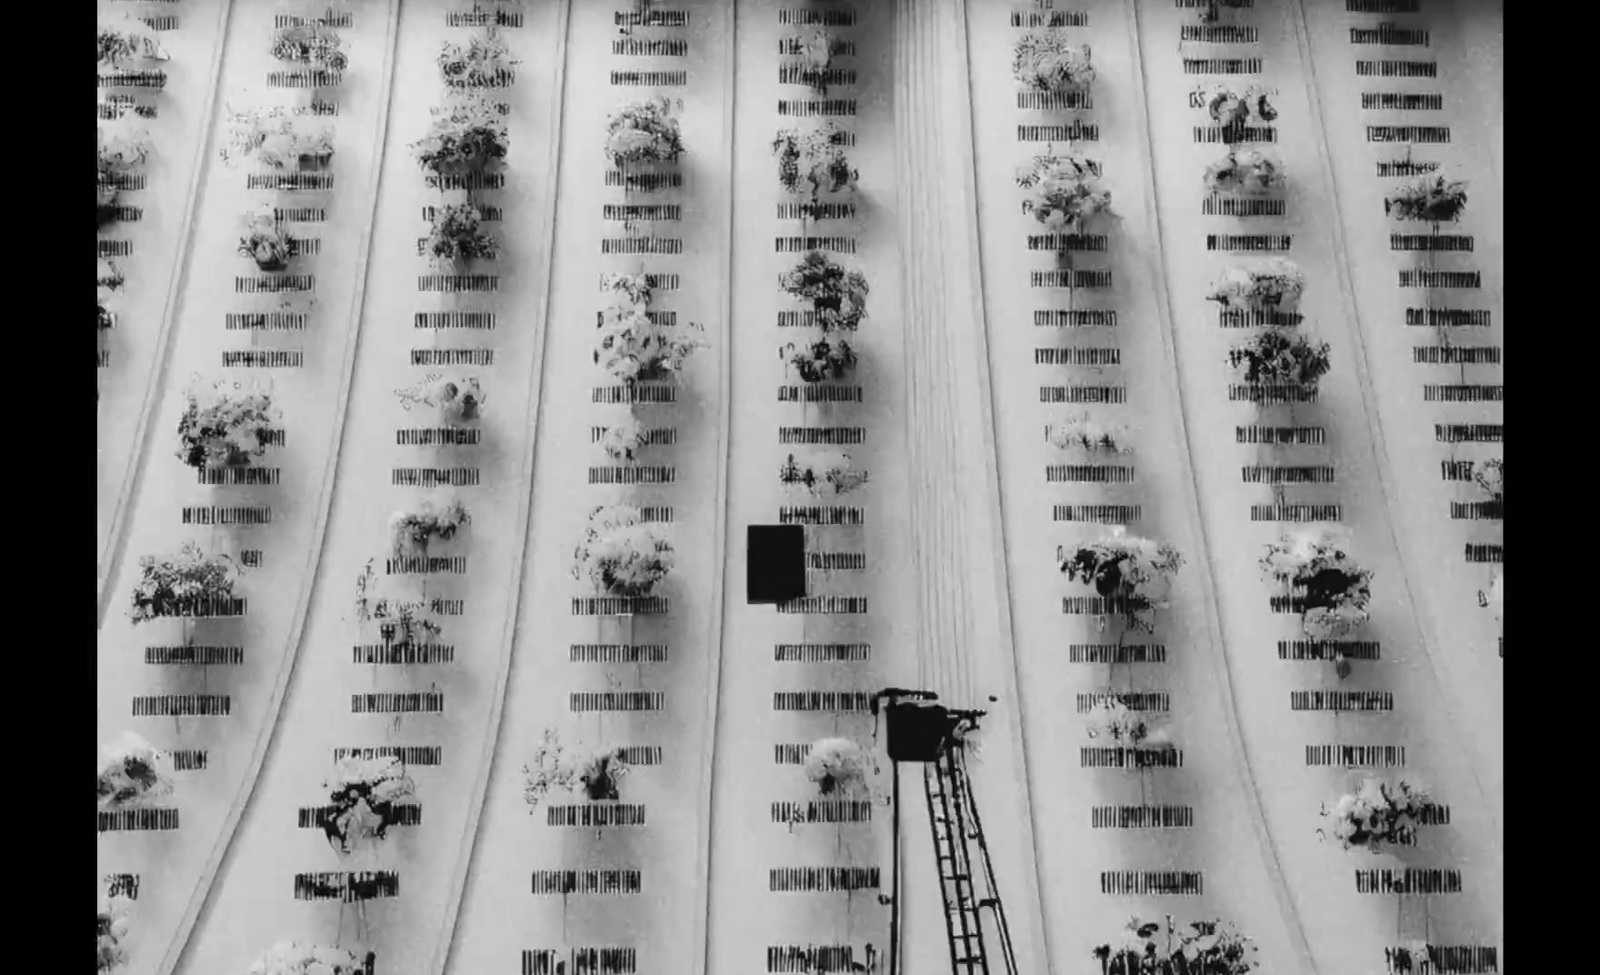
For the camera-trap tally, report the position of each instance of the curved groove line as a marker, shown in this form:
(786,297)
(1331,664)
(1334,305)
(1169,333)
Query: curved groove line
(938,285)
(1191,504)
(995,500)
(700,938)
(911,300)
(497,697)
(132,473)
(921,303)
(202,892)
(1369,402)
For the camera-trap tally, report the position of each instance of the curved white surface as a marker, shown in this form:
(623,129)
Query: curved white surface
(253,895)
(1208,793)
(132,352)
(747,917)
(1465,648)
(171,864)
(501,917)
(1351,930)
(466,902)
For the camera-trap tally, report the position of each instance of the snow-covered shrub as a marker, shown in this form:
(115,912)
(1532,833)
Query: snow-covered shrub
(190,583)
(643,132)
(632,347)
(829,357)
(219,429)
(1379,814)
(816,156)
(395,616)
(484,61)
(1312,565)
(1273,358)
(1132,573)
(621,553)
(599,772)
(265,240)
(133,774)
(1432,197)
(457,234)
(1066,191)
(838,297)
(1274,282)
(1085,432)
(292,958)
(1047,60)
(314,44)
(836,765)
(465,136)
(553,766)
(118,152)
(1202,948)
(623,440)
(1245,171)
(1495,598)
(1119,727)
(826,474)
(274,138)
(1418,957)
(458,399)
(363,793)
(119,41)
(410,529)
(107,276)
(1233,111)
(1491,478)
(816,56)
(110,954)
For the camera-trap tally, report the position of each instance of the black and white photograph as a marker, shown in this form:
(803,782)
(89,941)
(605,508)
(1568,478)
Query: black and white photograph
(715,487)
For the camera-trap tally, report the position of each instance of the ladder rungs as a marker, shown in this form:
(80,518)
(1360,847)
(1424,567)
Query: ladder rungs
(947,805)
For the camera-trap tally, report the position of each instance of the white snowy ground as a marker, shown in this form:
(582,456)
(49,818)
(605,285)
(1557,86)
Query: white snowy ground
(759,749)
(1464,645)
(251,904)
(657,909)
(1347,930)
(1215,673)
(155,241)
(173,865)
(1199,819)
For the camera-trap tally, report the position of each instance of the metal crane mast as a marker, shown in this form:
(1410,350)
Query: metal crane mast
(933,735)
